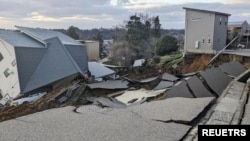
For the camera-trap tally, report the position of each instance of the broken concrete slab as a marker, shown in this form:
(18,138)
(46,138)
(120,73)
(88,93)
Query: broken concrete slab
(148,83)
(130,97)
(187,74)
(225,117)
(106,102)
(199,90)
(138,63)
(116,84)
(180,109)
(180,90)
(169,77)
(236,90)
(246,117)
(227,105)
(216,79)
(88,109)
(64,124)
(225,110)
(233,68)
(164,85)
(98,70)
(148,80)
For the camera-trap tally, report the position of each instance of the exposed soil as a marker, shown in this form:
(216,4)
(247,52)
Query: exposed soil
(198,62)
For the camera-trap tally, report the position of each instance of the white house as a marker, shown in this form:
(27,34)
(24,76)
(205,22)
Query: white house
(205,31)
(9,84)
(38,60)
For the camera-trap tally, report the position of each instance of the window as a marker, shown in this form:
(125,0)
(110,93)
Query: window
(196,19)
(220,20)
(203,41)
(6,72)
(1,56)
(209,41)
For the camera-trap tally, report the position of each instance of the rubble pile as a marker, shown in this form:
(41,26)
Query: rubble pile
(129,92)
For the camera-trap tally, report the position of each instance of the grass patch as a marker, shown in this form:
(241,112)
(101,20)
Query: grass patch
(164,59)
(175,61)
(171,59)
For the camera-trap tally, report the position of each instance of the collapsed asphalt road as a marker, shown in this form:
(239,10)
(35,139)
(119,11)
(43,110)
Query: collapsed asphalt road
(171,118)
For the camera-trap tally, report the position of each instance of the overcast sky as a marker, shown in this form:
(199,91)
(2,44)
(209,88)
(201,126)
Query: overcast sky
(88,14)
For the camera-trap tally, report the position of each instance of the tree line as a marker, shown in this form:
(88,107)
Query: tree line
(139,37)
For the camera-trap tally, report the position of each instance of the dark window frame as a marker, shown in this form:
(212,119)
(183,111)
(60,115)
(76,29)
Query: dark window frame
(6,72)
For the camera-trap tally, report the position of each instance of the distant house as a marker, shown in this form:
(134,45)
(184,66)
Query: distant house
(93,50)
(205,31)
(241,28)
(37,60)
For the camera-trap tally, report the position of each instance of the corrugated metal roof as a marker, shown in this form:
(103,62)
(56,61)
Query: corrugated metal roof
(44,34)
(98,70)
(17,39)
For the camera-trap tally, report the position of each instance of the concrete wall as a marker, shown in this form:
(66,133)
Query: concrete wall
(199,26)
(220,31)
(9,84)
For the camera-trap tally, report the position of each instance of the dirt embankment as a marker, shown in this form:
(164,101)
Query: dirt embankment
(194,63)
(198,62)
(191,63)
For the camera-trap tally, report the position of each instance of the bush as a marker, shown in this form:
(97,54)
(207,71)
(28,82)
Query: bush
(156,59)
(166,44)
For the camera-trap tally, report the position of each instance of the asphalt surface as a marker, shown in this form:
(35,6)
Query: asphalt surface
(94,124)
(162,120)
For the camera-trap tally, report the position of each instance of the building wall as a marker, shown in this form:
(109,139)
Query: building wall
(241,29)
(199,31)
(220,31)
(92,49)
(244,27)
(9,83)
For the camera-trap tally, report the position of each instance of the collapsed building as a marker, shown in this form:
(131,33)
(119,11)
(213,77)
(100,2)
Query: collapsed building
(38,60)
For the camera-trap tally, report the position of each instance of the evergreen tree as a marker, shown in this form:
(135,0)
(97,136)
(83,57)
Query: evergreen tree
(135,30)
(166,44)
(156,31)
(72,33)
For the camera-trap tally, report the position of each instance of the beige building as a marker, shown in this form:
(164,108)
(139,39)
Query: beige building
(205,31)
(93,50)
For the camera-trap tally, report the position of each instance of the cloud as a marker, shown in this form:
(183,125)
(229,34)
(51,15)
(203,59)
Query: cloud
(108,13)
